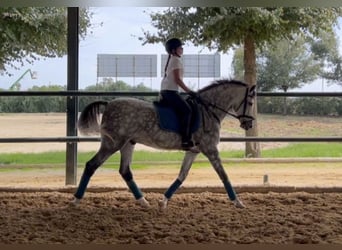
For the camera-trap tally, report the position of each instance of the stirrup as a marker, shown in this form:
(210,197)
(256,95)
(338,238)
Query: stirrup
(187,145)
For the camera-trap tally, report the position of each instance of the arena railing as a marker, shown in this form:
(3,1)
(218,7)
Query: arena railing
(71,157)
(72,94)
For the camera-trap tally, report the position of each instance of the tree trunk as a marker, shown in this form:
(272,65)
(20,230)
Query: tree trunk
(285,106)
(252,148)
(285,87)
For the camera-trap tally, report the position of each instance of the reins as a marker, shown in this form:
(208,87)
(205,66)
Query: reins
(207,104)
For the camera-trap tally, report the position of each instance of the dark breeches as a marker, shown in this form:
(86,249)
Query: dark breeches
(174,100)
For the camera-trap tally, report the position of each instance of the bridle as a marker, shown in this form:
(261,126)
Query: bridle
(244,102)
(249,94)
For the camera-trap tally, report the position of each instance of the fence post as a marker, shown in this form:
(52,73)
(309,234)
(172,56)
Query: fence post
(72,101)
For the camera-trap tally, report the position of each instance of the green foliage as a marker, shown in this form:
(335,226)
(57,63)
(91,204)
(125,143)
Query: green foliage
(109,85)
(326,106)
(325,46)
(334,75)
(278,32)
(30,32)
(223,27)
(34,104)
(326,52)
(287,65)
(318,106)
(290,64)
(45,104)
(238,69)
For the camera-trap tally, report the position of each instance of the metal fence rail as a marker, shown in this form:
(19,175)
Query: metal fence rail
(222,139)
(155,93)
(78,93)
(71,140)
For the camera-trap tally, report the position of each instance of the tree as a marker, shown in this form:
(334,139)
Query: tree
(221,28)
(34,104)
(30,32)
(326,52)
(44,104)
(335,74)
(238,69)
(109,85)
(288,64)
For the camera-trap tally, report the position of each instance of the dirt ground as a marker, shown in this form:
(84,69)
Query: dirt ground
(35,208)
(31,215)
(205,217)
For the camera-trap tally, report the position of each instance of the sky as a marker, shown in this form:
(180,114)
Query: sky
(118,34)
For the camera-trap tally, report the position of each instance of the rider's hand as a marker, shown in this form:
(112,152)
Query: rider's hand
(193,94)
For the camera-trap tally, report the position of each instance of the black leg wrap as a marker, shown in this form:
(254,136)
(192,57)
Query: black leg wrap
(89,171)
(175,185)
(127,176)
(87,174)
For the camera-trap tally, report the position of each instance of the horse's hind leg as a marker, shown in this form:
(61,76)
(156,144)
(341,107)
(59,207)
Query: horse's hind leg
(184,171)
(106,150)
(126,173)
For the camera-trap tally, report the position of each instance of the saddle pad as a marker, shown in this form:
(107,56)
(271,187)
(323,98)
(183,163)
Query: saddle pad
(168,119)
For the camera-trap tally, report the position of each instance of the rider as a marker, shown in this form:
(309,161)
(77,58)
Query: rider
(170,86)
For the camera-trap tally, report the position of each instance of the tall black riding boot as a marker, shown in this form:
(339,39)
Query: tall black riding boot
(187,143)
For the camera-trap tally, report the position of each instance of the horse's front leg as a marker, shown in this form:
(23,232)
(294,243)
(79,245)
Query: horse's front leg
(186,165)
(126,173)
(215,160)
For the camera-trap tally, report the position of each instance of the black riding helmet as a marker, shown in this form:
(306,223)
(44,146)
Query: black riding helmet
(172,44)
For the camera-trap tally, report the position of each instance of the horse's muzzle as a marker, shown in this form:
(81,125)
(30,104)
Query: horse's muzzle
(246,123)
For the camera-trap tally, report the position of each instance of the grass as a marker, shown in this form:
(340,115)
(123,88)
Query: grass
(142,159)
(295,150)
(305,150)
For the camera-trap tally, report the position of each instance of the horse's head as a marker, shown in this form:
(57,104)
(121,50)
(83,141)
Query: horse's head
(231,97)
(244,111)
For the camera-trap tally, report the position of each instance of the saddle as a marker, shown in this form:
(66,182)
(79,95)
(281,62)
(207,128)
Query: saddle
(169,120)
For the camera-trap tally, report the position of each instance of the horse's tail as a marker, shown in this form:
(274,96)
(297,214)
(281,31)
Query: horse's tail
(90,118)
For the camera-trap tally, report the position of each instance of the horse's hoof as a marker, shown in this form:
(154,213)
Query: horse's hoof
(237,203)
(75,202)
(162,204)
(143,202)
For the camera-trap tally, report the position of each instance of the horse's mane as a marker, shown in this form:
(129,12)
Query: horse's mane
(222,82)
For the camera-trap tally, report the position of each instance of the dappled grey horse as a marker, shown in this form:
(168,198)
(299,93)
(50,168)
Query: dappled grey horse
(127,121)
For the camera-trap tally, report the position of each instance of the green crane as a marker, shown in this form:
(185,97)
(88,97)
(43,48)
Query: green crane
(16,85)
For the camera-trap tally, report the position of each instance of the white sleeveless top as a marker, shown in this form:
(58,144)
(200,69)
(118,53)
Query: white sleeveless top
(168,82)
